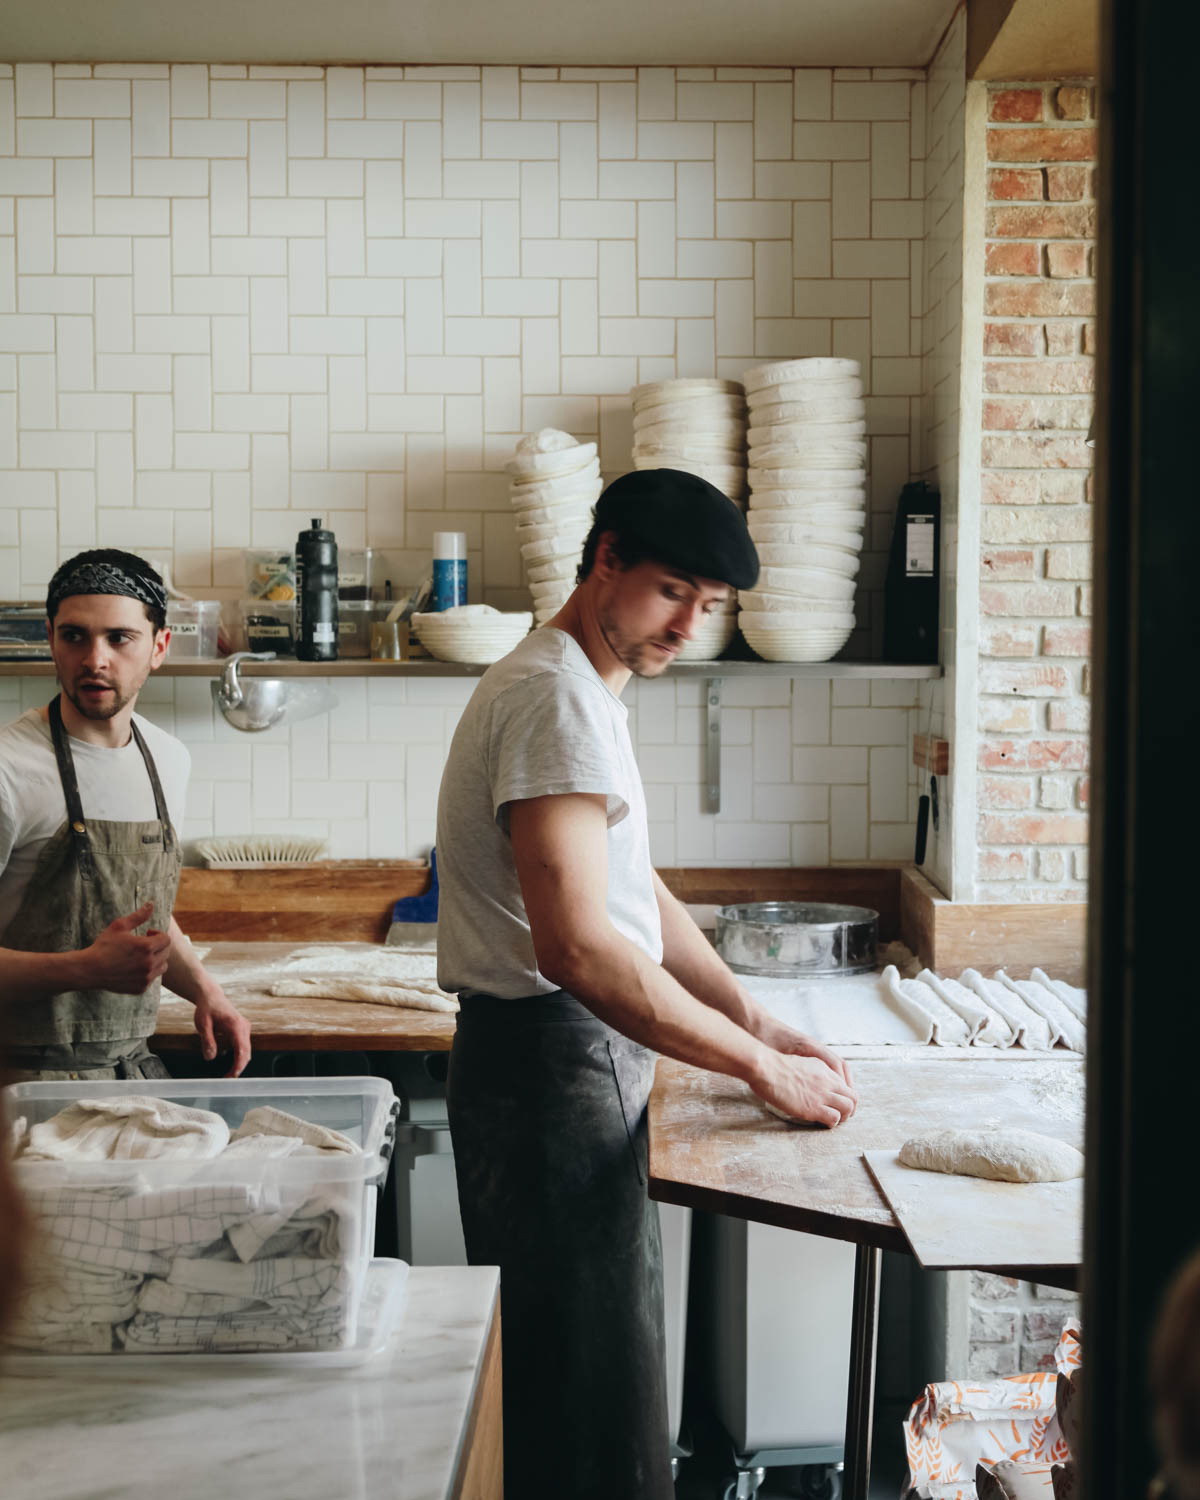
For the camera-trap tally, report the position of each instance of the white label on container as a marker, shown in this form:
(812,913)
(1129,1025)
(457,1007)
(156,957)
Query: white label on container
(351,580)
(190,629)
(323,631)
(919,557)
(268,632)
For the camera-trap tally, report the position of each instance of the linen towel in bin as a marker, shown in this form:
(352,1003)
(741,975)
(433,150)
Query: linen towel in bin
(261,1246)
(958,1425)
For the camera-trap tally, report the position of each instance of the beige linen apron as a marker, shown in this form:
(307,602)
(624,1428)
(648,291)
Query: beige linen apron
(90,873)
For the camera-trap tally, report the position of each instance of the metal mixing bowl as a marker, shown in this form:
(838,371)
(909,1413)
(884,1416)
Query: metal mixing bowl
(797,939)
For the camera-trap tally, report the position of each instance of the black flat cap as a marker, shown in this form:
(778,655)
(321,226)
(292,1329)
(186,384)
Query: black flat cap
(683,521)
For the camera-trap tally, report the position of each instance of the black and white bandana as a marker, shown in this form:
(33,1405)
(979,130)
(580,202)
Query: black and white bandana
(107,578)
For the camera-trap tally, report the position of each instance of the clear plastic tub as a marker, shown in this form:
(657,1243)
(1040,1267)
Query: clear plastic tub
(355,618)
(193,628)
(356,574)
(269,627)
(139,1257)
(270,575)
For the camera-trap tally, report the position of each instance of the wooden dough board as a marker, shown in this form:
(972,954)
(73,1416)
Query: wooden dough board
(950,1221)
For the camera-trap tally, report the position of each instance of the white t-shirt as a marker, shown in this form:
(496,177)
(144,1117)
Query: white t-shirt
(113,785)
(542,722)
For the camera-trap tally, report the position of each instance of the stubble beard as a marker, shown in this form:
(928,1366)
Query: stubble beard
(109,709)
(638,655)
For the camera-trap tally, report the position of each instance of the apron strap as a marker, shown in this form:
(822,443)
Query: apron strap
(160,801)
(70,785)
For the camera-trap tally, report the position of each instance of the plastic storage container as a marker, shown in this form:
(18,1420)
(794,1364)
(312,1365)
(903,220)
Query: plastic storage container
(233,1254)
(355,618)
(193,628)
(269,627)
(356,573)
(270,575)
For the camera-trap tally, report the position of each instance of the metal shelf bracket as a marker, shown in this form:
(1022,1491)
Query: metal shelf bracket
(712,744)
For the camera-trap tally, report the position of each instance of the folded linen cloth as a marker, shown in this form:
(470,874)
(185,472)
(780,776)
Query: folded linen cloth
(124,1229)
(72,1309)
(936,1022)
(1065,1025)
(255,1331)
(1073,998)
(988,1028)
(127,1128)
(266,1120)
(1030,1029)
(292,1284)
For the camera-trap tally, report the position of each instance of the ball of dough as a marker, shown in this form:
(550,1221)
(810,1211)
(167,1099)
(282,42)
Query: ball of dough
(1002,1155)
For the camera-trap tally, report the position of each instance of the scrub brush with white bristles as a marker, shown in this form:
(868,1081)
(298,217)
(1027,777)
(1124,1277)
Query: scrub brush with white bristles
(259,851)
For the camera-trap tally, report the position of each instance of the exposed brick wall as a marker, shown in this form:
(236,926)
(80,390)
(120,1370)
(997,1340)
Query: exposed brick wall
(1015,1325)
(1035,562)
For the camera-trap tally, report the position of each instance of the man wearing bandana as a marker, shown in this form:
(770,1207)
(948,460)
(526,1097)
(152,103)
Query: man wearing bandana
(91,796)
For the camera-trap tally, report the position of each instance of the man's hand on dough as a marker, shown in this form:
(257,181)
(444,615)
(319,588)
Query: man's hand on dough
(804,1088)
(781,1038)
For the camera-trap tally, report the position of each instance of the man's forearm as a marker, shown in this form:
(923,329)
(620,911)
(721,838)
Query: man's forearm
(38,976)
(694,962)
(185,974)
(639,998)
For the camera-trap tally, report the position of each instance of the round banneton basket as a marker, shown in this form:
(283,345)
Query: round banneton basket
(474,634)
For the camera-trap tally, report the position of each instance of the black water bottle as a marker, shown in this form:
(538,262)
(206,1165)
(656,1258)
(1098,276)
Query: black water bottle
(910,591)
(316,594)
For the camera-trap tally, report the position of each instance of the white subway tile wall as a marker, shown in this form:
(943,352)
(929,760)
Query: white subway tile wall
(234,298)
(813,772)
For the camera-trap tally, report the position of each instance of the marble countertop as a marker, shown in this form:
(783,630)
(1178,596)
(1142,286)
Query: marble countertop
(389,1430)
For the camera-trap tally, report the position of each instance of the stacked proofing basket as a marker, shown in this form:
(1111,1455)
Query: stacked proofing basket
(808,454)
(698,426)
(555,483)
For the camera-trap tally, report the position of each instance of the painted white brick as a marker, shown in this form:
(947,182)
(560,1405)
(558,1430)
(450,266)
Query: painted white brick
(520,140)
(520,297)
(617,284)
(714,101)
(812,94)
(558,101)
(809,844)
(636,179)
(656,93)
(501,94)
(617,129)
(554,257)
(599,221)
(675,141)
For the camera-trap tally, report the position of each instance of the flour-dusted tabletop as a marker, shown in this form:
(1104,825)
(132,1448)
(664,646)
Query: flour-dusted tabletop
(407,1426)
(714,1146)
(293,1024)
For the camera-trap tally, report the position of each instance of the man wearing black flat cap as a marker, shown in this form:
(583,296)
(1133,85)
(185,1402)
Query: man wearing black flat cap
(574,967)
(91,795)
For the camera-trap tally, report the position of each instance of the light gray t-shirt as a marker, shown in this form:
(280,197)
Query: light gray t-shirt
(541,723)
(113,786)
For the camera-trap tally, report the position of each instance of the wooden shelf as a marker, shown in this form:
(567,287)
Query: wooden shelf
(362,667)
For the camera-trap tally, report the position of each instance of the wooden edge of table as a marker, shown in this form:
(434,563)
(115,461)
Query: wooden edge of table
(479,1471)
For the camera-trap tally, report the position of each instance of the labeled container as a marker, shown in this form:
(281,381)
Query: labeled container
(193,628)
(141,1254)
(269,627)
(23,632)
(449,570)
(912,588)
(270,574)
(317,594)
(356,574)
(355,618)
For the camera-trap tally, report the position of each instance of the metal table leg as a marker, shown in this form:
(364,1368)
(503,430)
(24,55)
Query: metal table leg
(860,1400)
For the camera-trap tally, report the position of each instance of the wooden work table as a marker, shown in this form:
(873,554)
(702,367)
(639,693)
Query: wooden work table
(292,1024)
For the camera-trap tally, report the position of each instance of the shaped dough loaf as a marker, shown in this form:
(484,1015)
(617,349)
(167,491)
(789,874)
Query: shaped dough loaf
(1002,1155)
